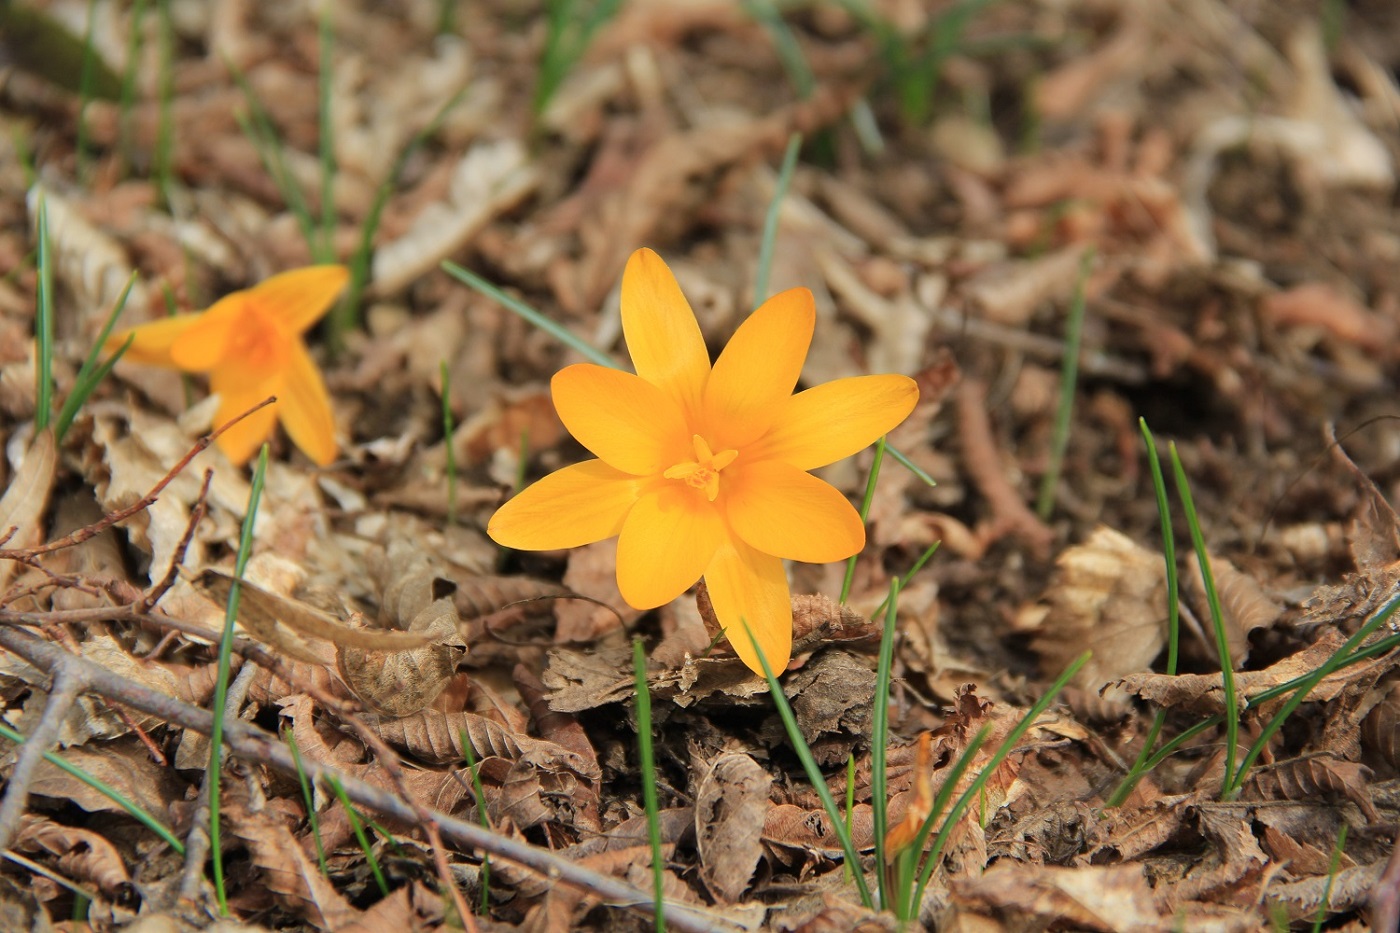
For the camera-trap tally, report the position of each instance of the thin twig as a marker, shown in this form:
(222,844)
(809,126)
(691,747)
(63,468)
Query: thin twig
(172,573)
(257,745)
(1010,514)
(146,501)
(62,694)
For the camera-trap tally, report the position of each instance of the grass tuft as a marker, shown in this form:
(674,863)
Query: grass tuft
(880,738)
(91,373)
(570,26)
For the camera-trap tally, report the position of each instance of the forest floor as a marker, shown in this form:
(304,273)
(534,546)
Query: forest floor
(1215,179)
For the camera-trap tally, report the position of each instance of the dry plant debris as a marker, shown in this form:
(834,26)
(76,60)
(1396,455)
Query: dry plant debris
(1228,167)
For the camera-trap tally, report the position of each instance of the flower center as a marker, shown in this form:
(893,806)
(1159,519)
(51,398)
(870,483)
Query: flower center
(702,472)
(258,342)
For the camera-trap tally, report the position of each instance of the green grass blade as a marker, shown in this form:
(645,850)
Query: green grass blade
(1304,687)
(1069,383)
(880,739)
(43,326)
(127,94)
(482,817)
(357,826)
(770,219)
(90,374)
(911,466)
(569,27)
(308,794)
(785,43)
(648,763)
(850,803)
(1334,863)
(560,333)
(1217,618)
(975,788)
(164,167)
(325,42)
(813,772)
(216,734)
(87,81)
(447,430)
(133,809)
(864,514)
(346,315)
(1159,486)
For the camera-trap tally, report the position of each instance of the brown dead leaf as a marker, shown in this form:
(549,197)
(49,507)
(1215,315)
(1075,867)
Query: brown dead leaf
(1380,730)
(26,499)
(292,876)
(730,809)
(1108,592)
(1318,778)
(82,854)
(124,765)
(1243,603)
(1112,899)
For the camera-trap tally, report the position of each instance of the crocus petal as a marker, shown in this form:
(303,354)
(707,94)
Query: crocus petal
(577,505)
(780,510)
(666,544)
(662,336)
(236,396)
(836,419)
(749,593)
(205,343)
(758,369)
(152,342)
(623,419)
(301,297)
(305,408)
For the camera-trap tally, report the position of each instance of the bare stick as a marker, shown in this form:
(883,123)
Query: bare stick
(1010,514)
(65,689)
(256,745)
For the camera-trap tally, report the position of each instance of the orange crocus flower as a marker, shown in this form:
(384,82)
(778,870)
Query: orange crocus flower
(250,344)
(702,471)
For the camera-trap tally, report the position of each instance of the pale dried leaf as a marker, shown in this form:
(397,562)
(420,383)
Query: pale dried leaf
(730,809)
(436,737)
(26,499)
(1309,779)
(1111,899)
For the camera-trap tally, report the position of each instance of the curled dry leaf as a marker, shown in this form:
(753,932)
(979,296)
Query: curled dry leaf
(436,737)
(1243,603)
(1310,779)
(1111,899)
(1109,593)
(419,601)
(1380,730)
(82,854)
(730,808)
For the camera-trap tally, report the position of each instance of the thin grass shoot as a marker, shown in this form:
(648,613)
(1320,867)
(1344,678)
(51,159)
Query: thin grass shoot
(133,809)
(216,733)
(864,515)
(482,817)
(308,795)
(1333,864)
(1159,486)
(126,99)
(813,771)
(1217,619)
(770,219)
(164,161)
(43,326)
(974,790)
(357,826)
(1069,384)
(880,738)
(91,373)
(648,766)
